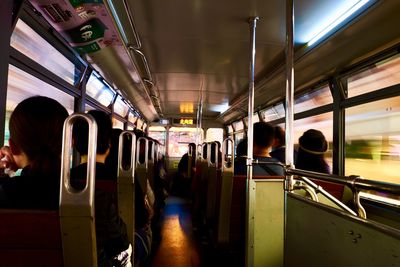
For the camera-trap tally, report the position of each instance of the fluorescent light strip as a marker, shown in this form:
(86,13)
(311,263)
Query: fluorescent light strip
(339,20)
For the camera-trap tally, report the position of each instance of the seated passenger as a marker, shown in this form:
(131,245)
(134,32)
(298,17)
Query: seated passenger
(262,140)
(312,146)
(143,233)
(278,146)
(111,235)
(36,127)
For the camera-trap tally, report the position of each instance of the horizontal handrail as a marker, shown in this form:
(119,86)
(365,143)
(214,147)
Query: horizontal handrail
(354,182)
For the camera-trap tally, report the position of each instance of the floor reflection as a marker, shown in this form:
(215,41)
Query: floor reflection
(177,247)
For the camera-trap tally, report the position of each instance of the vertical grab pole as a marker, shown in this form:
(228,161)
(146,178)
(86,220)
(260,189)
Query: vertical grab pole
(289,90)
(249,161)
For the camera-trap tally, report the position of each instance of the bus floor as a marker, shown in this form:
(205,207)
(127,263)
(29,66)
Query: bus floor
(177,246)
(180,246)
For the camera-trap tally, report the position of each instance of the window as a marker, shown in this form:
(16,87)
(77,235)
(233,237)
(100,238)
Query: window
(120,107)
(31,44)
(381,75)
(373,140)
(313,99)
(117,123)
(230,129)
(131,117)
(323,123)
(238,125)
(273,113)
(255,119)
(238,137)
(158,133)
(130,127)
(99,91)
(139,123)
(215,134)
(179,139)
(22,85)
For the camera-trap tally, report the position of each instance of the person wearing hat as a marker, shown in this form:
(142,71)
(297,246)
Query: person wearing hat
(310,157)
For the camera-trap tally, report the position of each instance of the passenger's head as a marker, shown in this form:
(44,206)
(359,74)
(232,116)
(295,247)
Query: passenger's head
(313,142)
(104,128)
(279,137)
(241,148)
(36,127)
(112,158)
(263,135)
(192,147)
(312,146)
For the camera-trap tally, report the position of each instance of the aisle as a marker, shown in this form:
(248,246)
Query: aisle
(177,247)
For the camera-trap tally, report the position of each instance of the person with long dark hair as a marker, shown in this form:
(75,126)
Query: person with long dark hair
(35,143)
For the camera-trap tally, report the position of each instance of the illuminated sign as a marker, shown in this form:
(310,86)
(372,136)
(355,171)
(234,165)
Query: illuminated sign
(184,121)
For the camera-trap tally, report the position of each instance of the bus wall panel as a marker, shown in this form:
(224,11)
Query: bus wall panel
(268,222)
(317,235)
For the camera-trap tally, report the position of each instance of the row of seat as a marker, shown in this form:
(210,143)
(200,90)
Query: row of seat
(67,237)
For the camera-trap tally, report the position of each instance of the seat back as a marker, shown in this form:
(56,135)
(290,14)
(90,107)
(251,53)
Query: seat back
(30,238)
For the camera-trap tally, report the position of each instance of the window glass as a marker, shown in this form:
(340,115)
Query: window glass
(373,140)
(22,85)
(230,129)
(215,134)
(273,113)
(238,137)
(158,133)
(381,75)
(179,139)
(31,44)
(323,123)
(131,117)
(99,91)
(130,127)
(255,119)
(139,123)
(238,125)
(120,107)
(117,123)
(313,99)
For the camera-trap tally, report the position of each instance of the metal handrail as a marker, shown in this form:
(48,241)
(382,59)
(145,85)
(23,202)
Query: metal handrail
(354,182)
(132,23)
(146,65)
(228,141)
(319,189)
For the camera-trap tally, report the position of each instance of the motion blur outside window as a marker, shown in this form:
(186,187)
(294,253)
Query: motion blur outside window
(31,44)
(313,99)
(120,107)
(22,85)
(373,140)
(179,139)
(255,119)
(383,74)
(323,123)
(99,91)
(273,113)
